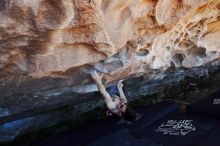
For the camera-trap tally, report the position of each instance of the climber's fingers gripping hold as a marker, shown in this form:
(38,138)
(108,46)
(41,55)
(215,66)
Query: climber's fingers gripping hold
(120,84)
(97,76)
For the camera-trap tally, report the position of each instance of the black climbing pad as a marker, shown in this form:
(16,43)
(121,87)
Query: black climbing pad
(161,125)
(178,130)
(209,106)
(122,138)
(154,113)
(211,139)
(103,131)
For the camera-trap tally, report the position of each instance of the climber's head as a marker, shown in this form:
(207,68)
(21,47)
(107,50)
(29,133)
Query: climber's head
(122,106)
(129,114)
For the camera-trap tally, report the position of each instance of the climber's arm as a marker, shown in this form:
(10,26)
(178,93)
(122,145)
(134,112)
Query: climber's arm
(121,92)
(98,79)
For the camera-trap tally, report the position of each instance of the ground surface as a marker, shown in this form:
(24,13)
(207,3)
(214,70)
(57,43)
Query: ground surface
(162,124)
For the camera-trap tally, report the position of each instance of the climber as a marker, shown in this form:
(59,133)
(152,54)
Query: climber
(118,104)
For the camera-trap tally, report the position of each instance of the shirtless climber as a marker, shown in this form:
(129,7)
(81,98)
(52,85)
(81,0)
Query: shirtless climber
(116,104)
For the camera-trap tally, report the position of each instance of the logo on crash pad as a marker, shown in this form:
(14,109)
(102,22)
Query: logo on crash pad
(216,101)
(176,127)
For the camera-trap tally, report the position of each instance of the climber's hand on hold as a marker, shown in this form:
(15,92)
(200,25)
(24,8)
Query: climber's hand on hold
(97,76)
(120,84)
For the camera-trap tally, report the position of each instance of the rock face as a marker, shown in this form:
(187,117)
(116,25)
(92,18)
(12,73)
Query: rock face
(47,38)
(48,48)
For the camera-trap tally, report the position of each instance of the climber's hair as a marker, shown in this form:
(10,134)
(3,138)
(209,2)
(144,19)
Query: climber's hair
(129,114)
